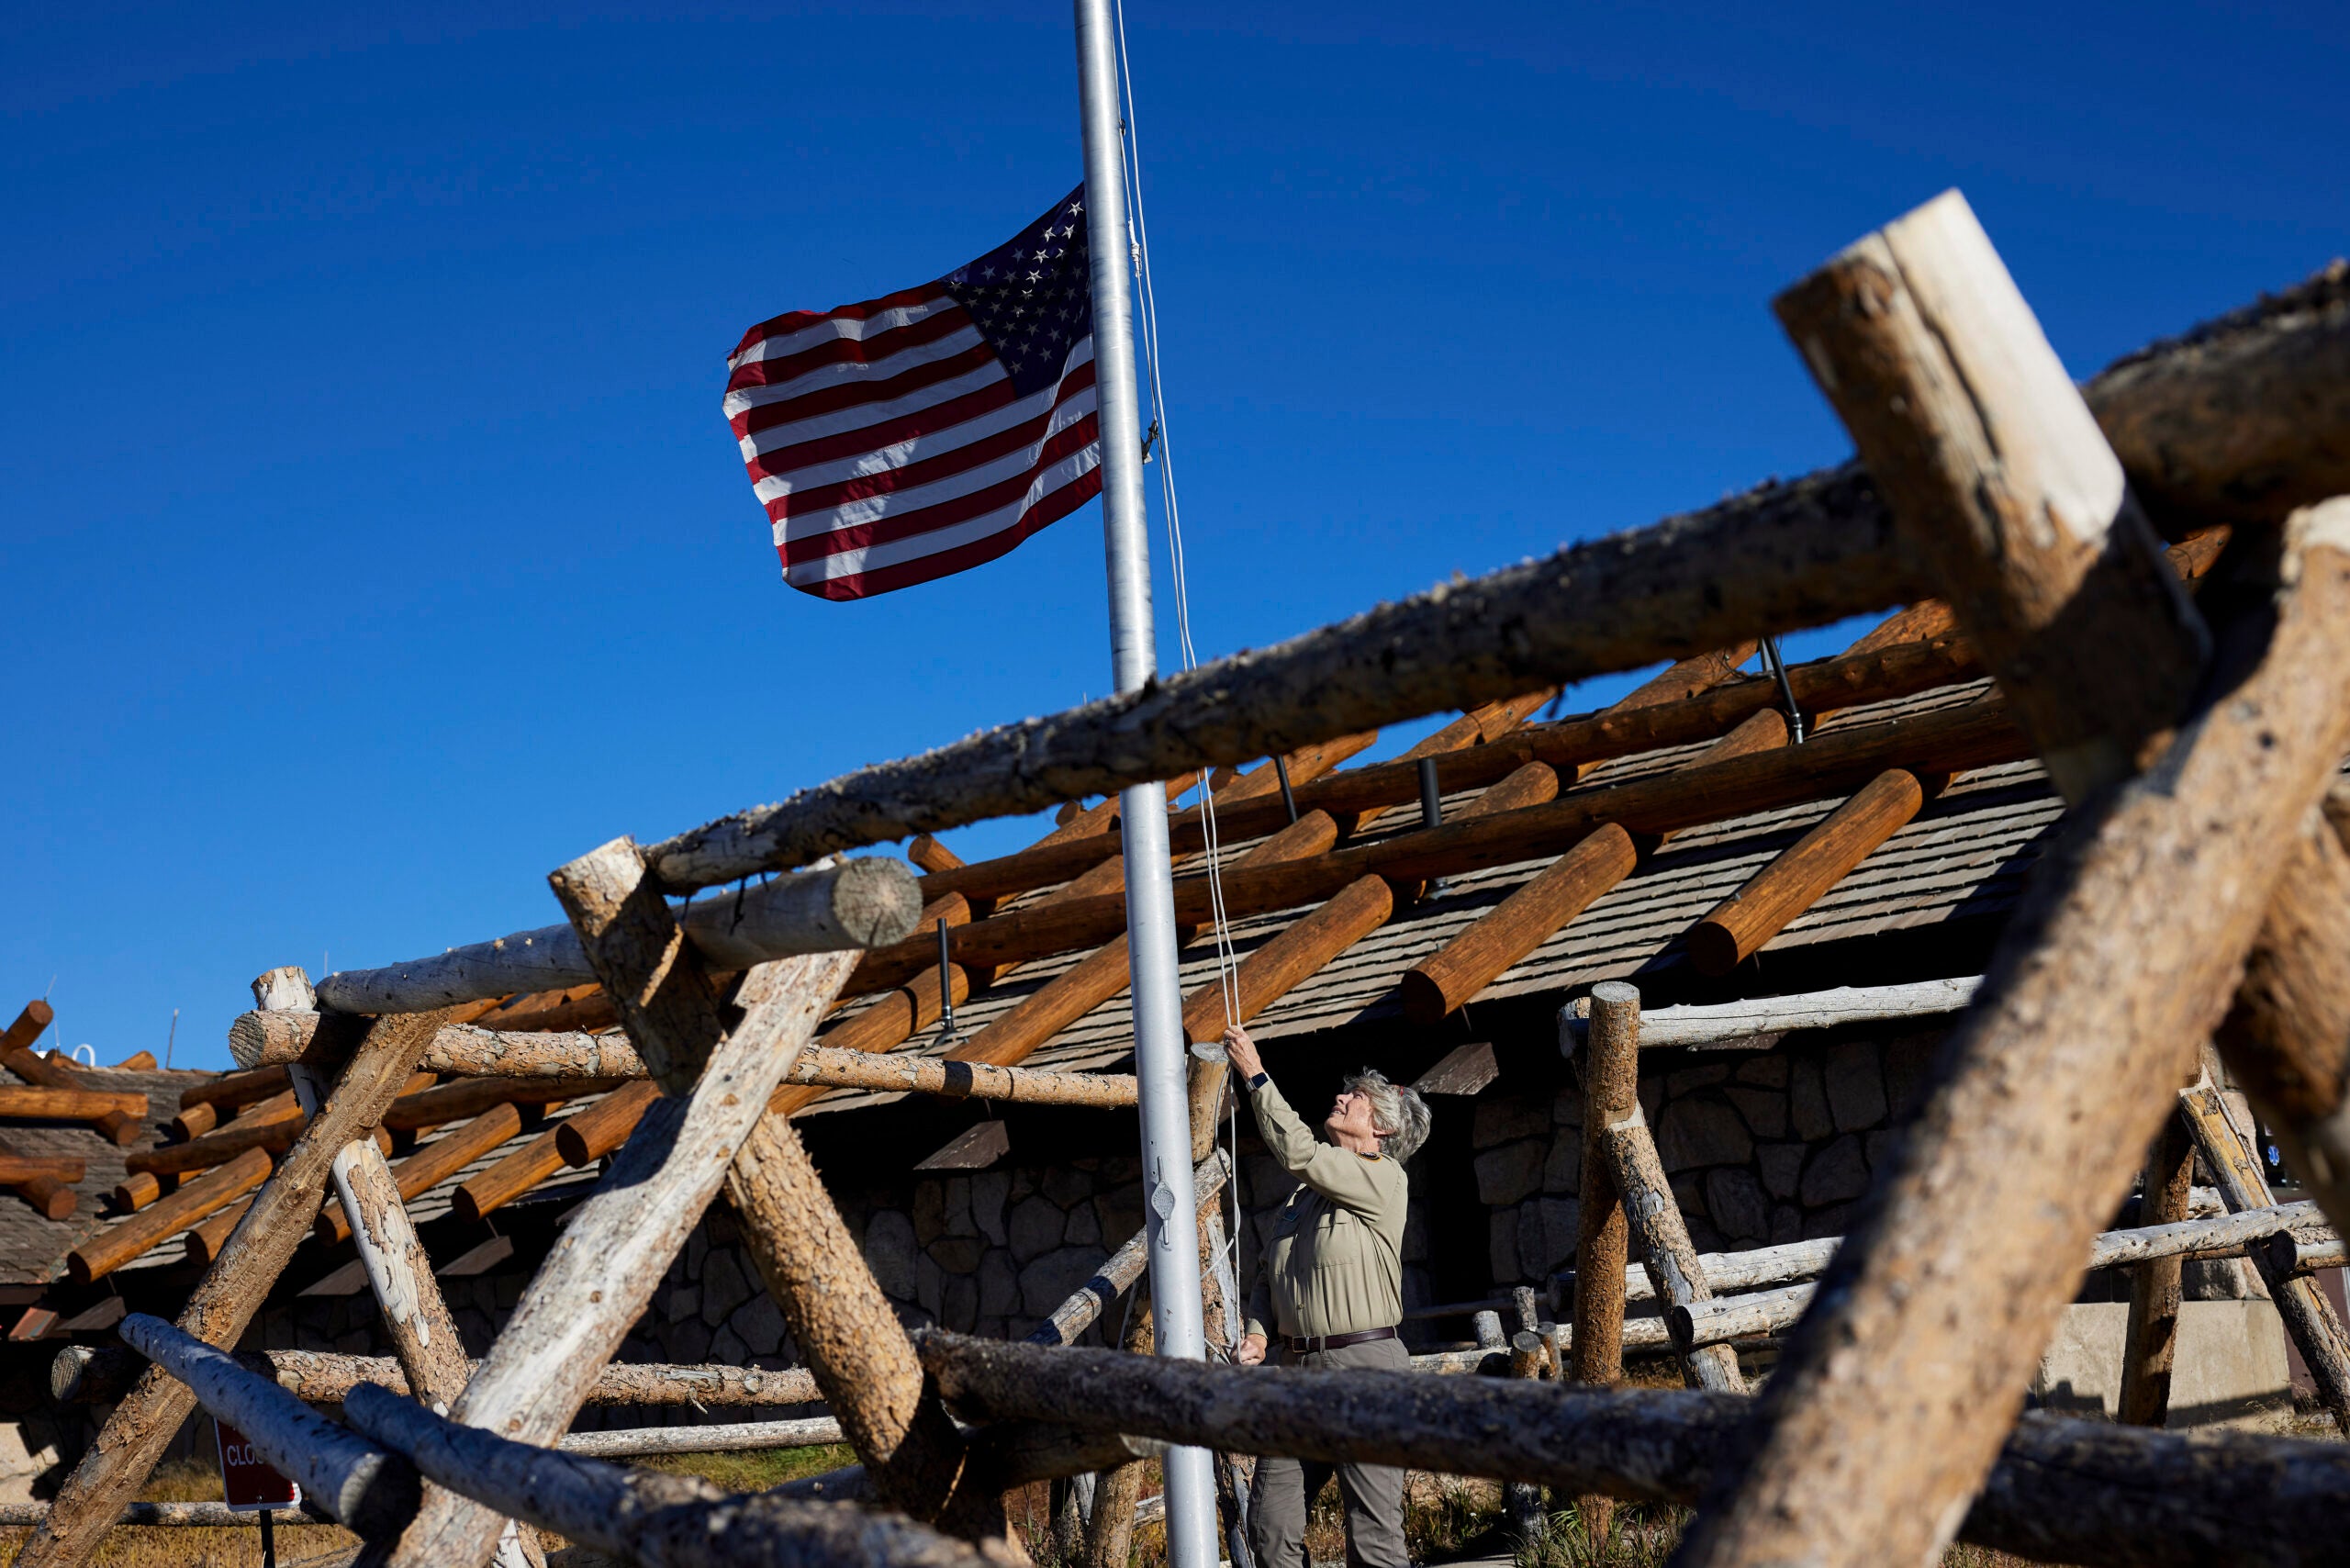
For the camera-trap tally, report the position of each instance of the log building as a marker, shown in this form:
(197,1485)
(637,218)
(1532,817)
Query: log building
(983,1216)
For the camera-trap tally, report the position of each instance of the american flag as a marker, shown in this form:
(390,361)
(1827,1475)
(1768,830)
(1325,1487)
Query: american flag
(906,438)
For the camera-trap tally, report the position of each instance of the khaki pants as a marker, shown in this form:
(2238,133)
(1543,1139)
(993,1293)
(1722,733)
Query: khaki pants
(1285,1489)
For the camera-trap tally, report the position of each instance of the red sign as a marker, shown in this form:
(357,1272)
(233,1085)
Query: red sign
(247,1478)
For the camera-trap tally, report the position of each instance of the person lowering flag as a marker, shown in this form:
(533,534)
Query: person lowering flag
(910,437)
(1330,1290)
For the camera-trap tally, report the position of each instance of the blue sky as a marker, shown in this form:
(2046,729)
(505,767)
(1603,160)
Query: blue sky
(372,541)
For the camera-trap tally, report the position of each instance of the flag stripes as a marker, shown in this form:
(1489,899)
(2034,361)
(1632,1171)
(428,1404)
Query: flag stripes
(901,439)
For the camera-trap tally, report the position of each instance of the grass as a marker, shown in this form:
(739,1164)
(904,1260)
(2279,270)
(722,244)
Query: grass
(175,1546)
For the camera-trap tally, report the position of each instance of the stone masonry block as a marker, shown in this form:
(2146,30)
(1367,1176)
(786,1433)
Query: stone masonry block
(1807,1101)
(929,1211)
(1036,1227)
(1701,1131)
(1781,1165)
(1837,1175)
(1498,1121)
(1764,1110)
(1512,1170)
(991,1191)
(889,1253)
(1856,1086)
(724,1286)
(1563,1167)
(1736,1204)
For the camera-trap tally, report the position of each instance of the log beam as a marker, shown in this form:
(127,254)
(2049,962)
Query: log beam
(196,1201)
(861,904)
(120,1127)
(81,1375)
(1804,871)
(2081,1492)
(1975,735)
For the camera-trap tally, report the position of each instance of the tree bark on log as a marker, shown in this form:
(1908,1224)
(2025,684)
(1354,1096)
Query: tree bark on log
(368,1492)
(1887,1406)
(647,1517)
(81,1375)
(1805,872)
(738,1436)
(1999,478)
(1110,1534)
(135,1436)
(434,1163)
(2308,1318)
(2216,1234)
(1656,1225)
(2150,1346)
(861,904)
(1609,1066)
(2081,1492)
(612,1254)
(1757,1024)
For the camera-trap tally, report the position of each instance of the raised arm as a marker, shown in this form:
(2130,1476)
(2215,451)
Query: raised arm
(1350,1179)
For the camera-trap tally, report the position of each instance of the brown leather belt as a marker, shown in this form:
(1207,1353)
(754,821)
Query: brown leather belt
(1310,1346)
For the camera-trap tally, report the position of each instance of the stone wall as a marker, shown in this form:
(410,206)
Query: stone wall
(1761,1147)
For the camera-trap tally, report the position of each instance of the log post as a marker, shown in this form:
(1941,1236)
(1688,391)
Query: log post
(1522,1500)
(1804,872)
(434,1163)
(416,1320)
(2318,1334)
(1110,1535)
(1610,1066)
(1886,1410)
(1672,1267)
(135,1436)
(617,1245)
(2151,1343)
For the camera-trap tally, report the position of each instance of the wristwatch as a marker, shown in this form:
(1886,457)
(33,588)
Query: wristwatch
(1259,1081)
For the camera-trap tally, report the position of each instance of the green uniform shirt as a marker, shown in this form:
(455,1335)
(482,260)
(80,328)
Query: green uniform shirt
(1336,1261)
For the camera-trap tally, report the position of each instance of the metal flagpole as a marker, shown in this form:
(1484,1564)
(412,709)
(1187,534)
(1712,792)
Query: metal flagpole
(1171,1212)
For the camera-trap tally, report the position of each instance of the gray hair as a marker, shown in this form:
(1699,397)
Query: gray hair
(1398,1114)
